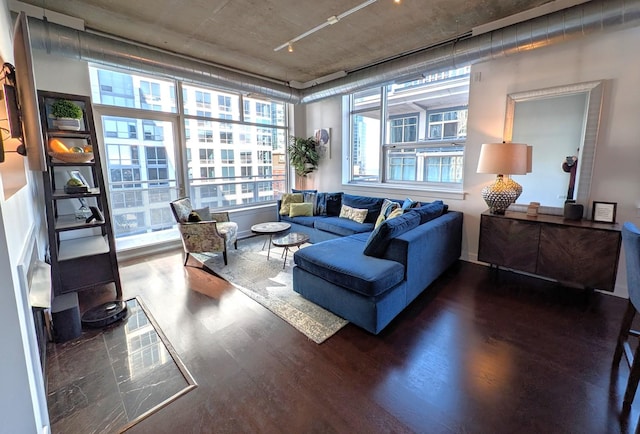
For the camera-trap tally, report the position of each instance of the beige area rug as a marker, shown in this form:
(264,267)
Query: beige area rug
(269,284)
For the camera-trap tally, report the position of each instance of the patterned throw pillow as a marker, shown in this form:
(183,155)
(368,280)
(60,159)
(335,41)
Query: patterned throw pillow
(287,200)
(311,198)
(355,214)
(301,209)
(387,207)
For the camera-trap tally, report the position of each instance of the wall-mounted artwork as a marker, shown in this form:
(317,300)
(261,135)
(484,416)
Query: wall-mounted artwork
(323,137)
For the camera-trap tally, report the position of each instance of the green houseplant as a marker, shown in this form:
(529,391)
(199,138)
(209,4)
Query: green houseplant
(303,154)
(67,114)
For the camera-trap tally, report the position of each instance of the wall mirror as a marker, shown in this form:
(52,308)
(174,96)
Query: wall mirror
(559,122)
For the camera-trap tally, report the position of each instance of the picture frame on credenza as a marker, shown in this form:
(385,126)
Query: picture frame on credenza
(604,212)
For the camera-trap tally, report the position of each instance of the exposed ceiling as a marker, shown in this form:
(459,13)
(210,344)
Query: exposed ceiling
(242,34)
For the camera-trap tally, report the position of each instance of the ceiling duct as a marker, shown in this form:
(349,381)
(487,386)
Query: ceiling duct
(594,17)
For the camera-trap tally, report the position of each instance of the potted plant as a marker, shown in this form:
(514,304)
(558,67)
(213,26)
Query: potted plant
(303,154)
(67,114)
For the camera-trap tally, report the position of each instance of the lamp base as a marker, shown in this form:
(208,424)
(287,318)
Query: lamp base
(500,195)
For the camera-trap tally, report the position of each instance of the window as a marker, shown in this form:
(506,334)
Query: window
(264,157)
(450,124)
(207,155)
(150,98)
(245,157)
(246,171)
(264,171)
(203,99)
(207,172)
(124,89)
(404,129)
(120,128)
(228,172)
(411,146)
(227,156)
(153,131)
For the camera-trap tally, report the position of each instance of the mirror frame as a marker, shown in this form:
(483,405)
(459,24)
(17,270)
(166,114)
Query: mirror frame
(594,91)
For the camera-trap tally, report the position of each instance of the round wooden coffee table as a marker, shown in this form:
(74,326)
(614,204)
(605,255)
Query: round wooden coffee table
(293,239)
(269,228)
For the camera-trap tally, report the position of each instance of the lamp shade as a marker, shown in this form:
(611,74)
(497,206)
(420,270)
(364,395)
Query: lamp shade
(529,158)
(503,158)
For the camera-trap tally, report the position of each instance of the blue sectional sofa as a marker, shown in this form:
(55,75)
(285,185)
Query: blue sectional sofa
(366,275)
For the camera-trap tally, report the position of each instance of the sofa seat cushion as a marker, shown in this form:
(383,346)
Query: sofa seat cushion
(302,220)
(342,263)
(342,226)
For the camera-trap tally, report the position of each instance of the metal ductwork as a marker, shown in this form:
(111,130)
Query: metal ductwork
(594,17)
(64,41)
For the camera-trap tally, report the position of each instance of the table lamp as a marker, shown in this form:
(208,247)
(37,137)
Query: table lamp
(502,159)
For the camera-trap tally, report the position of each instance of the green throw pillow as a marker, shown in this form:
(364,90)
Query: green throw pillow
(301,209)
(287,200)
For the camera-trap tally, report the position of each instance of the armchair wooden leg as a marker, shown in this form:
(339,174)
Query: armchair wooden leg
(224,255)
(624,332)
(186,258)
(235,244)
(634,378)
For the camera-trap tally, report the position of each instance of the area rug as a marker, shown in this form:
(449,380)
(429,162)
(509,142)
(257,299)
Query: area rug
(109,379)
(271,285)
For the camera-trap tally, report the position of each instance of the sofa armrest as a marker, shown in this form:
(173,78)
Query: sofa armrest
(429,249)
(278,204)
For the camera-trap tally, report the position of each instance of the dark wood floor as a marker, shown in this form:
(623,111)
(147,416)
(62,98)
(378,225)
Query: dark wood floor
(472,355)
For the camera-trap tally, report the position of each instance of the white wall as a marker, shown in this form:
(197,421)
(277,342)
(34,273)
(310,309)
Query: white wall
(22,401)
(616,177)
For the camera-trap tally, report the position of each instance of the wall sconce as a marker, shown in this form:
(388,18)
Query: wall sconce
(503,159)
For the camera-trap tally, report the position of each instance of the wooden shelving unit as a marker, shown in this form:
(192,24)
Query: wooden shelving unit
(82,254)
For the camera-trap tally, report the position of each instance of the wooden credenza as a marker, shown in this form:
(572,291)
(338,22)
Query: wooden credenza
(580,252)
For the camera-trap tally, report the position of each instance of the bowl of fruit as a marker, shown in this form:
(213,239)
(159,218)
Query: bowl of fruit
(70,154)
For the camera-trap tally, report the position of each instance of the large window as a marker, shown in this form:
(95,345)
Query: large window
(422,137)
(229,143)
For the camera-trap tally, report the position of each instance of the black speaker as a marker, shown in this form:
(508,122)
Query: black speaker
(573,211)
(65,314)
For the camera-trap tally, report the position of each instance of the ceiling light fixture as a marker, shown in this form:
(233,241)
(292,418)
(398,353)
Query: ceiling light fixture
(290,48)
(330,21)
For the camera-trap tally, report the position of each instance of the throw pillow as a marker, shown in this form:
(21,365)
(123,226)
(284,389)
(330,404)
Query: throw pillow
(372,204)
(333,202)
(357,215)
(194,217)
(287,200)
(301,209)
(204,213)
(409,204)
(430,211)
(382,235)
(387,207)
(321,204)
(311,198)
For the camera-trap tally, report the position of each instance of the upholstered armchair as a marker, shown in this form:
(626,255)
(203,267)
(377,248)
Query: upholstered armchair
(213,233)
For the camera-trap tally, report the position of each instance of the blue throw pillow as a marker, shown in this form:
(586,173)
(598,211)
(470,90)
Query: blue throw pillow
(409,204)
(371,204)
(382,235)
(430,211)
